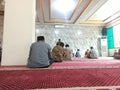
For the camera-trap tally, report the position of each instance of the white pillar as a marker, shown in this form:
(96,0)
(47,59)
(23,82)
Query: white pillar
(19,31)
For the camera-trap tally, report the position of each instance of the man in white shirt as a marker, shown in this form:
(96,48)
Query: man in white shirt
(93,53)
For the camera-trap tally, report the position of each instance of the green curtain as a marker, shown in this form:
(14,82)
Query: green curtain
(110,38)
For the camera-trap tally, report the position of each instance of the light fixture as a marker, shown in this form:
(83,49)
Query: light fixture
(56,32)
(60,5)
(37,30)
(59,26)
(79,32)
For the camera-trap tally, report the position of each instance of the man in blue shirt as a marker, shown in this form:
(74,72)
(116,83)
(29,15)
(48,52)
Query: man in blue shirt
(78,53)
(40,54)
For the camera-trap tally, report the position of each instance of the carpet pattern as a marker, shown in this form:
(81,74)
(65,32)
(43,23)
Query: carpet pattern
(58,78)
(86,63)
(78,63)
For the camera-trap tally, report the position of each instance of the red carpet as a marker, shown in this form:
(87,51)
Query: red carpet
(74,64)
(87,63)
(58,78)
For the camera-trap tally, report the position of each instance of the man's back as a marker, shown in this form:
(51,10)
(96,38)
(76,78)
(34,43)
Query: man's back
(57,53)
(93,54)
(39,52)
(78,54)
(67,54)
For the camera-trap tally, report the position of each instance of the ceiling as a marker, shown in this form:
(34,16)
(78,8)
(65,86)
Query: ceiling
(85,12)
(92,12)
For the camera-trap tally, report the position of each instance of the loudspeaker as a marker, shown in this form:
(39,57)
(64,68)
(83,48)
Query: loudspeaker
(104,32)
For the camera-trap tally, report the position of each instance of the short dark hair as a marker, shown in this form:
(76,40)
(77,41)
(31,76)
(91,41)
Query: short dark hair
(62,44)
(40,38)
(58,43)
(78,49)
(91,47)
(59,39)
(66,45)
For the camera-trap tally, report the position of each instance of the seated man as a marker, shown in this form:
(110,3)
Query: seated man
(117,56)
(115,53)
(58,52)
(77,54)
(67,53)
(87,53)
(40,54)
(93,53)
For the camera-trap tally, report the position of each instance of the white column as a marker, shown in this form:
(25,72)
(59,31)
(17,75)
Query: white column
(19,31)
(104,47)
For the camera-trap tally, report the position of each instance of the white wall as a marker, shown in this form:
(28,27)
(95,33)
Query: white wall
(116,34)
(19,27)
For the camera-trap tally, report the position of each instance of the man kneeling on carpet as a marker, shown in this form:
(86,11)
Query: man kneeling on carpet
(58,52)
(117,55)
(40,54)
(93,53)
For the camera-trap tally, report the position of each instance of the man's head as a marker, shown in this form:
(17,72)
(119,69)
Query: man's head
(66,45)
(91,47)
(40,38)
(62,44)
(78,49)
(59,40)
